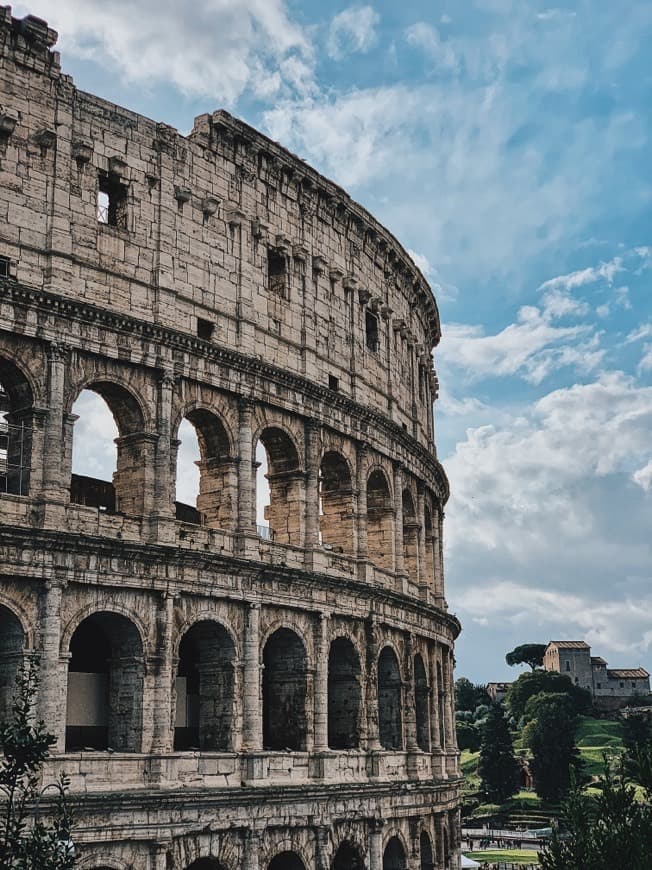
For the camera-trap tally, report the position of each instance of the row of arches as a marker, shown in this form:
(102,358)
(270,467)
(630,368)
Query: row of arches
(112,452)
(106,667)
(349,855)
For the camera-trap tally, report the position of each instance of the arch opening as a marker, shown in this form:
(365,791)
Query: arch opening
(344,695)
(422,703)
(286,861)
(109,465)
(105,685)
(394,857)
(12,645)
(336,503)
(206,476)
(205,689)
(284,692)
(380,521)
(410,536)
(279,479)
(348,857)
(206,864)
(16,430)
(426,859)
(390,708)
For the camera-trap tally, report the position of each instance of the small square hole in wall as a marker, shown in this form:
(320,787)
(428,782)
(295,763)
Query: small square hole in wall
(404,425)
(112,202)
(333,383)
(5,263)
(205,329)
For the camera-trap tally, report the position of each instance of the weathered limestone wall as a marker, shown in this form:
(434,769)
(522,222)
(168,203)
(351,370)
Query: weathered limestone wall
(225,283)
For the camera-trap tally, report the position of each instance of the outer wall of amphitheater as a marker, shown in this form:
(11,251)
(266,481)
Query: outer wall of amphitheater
(224,693)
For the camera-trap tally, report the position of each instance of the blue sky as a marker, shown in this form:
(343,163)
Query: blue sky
(507,144)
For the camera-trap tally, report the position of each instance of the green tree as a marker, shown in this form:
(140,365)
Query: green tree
(469,695)
(552,743)
(527,654)
(468,736)
(611,831)
(530,684)
(498,767)
(27,840)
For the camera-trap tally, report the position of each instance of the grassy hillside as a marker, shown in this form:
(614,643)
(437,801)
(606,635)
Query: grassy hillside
(595,738)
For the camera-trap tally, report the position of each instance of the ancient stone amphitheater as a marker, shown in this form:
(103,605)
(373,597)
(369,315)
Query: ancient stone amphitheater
(227,689)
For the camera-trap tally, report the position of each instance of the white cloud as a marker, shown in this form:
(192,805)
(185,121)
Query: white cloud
(215,49)
(426,37)
(645,362)
(605,271)
(422,262)
(643,477)
(352,30)
(643,331)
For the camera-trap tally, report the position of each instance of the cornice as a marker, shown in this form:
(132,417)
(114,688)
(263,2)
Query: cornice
(52,303)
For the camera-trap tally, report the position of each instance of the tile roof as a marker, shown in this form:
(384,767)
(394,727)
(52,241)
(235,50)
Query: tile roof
(569,644)
(627,673)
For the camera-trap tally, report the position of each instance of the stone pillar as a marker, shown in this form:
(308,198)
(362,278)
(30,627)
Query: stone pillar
(313,454)
(134,487)
(438,530)
(246,514)
(361,514)
(251,849)
(252,728)
(53,679)
(376,844)
(399,561)
(435,741)
(321,848)
(55,482)
(164,483)
(424,592)
(159,855)
(449,726)
(162,737)
(321,684)
(409,704)
(373,737)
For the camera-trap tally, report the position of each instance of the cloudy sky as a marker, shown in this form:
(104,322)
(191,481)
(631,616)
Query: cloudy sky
(507,144)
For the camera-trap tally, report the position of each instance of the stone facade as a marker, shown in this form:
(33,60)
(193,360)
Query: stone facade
(222,695)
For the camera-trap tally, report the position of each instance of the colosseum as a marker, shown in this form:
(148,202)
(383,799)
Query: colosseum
(263,678)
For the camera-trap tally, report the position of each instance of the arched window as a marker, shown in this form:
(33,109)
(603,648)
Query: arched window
(282,479)
(205,689)
(380,535)
(12,642)
(390,708)
(16,422)
(105,685)
(425,852)
(336,503)
(410,536)
(109,472)
(206,864)
(207,482)
(286,861)
(284,692)
(343,695)
(422,705)
(348,857)
(394,855)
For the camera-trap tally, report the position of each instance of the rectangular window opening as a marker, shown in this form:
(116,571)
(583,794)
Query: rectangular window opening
(333,383)
(277,273)
(371,327)
(112,202)
(205,329)
(5,262)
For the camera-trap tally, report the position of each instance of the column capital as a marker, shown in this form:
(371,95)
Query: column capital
(58,351)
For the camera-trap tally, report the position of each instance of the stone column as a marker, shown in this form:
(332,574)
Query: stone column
(376,844)
(449,728)
(159,855)
(164,471)
(252,730)
(251,849)
(424,592)
(399,561)
(435,742)
(313,453)
(53,679)
(55,484)
(440,836)
(245,468)
(361,515)
(373,737)
(321,684)
(321,848)
(162,714)
(409,704)
(438,530)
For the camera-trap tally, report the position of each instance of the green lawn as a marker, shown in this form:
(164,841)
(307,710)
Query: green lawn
(513,856)
(595,738)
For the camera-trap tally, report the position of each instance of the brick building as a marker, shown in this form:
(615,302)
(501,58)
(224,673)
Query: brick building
(222,695)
